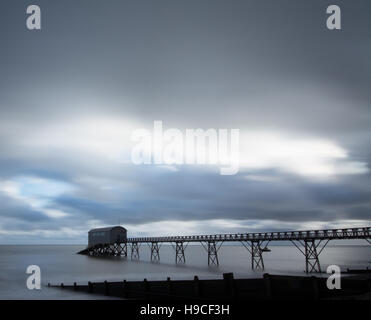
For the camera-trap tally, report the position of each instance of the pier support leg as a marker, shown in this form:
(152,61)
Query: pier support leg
(311,257)
(135,251)
(106,249)
(117,249)
(179,252)
(92,251)
(257,262)
(212,254)
(112,250)
(212,249)
(102,250)
(256,249)
(155,252)
(311,254)
(124,249)
(97,250)
(120,249)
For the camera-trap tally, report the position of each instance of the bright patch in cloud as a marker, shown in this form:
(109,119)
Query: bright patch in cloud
(110,138)
(307,157)
(36,193)
(98,136)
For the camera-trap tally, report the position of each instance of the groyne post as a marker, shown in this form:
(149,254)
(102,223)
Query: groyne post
(147,289)
(268,285)
(229,285)
(106,288)
(169,287)
(125,289)
(90,287)
(197,287)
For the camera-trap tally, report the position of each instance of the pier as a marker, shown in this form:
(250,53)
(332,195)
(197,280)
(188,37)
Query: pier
(309,243)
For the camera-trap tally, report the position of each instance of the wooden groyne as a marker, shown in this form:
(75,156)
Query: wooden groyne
(358,271)
(270,287)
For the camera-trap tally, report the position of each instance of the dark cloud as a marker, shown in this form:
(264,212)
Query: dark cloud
(20,212)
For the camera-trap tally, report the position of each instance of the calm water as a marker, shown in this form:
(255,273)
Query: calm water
(61,264)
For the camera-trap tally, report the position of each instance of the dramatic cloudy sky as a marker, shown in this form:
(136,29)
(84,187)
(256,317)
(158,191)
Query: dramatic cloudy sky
(72,93)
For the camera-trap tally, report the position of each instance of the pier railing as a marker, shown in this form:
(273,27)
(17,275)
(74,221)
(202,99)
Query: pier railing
(331,234)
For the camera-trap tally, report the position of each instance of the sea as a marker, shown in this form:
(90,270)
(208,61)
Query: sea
(61,264)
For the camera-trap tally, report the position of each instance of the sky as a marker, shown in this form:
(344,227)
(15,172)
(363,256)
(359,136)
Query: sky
(72,93)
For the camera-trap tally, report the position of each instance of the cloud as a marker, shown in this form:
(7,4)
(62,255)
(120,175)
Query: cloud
(298,93)
(303,156)
(36,193)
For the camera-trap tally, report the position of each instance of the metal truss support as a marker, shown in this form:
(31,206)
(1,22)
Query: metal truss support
(311,257)
(155,251)
(124,249)
(101,250)
(135,250)
(311,254)
(256,249)
(179,252)
(92,251)
(212,254)
(212,249)
(120,249)
(116,250)
(257,262)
